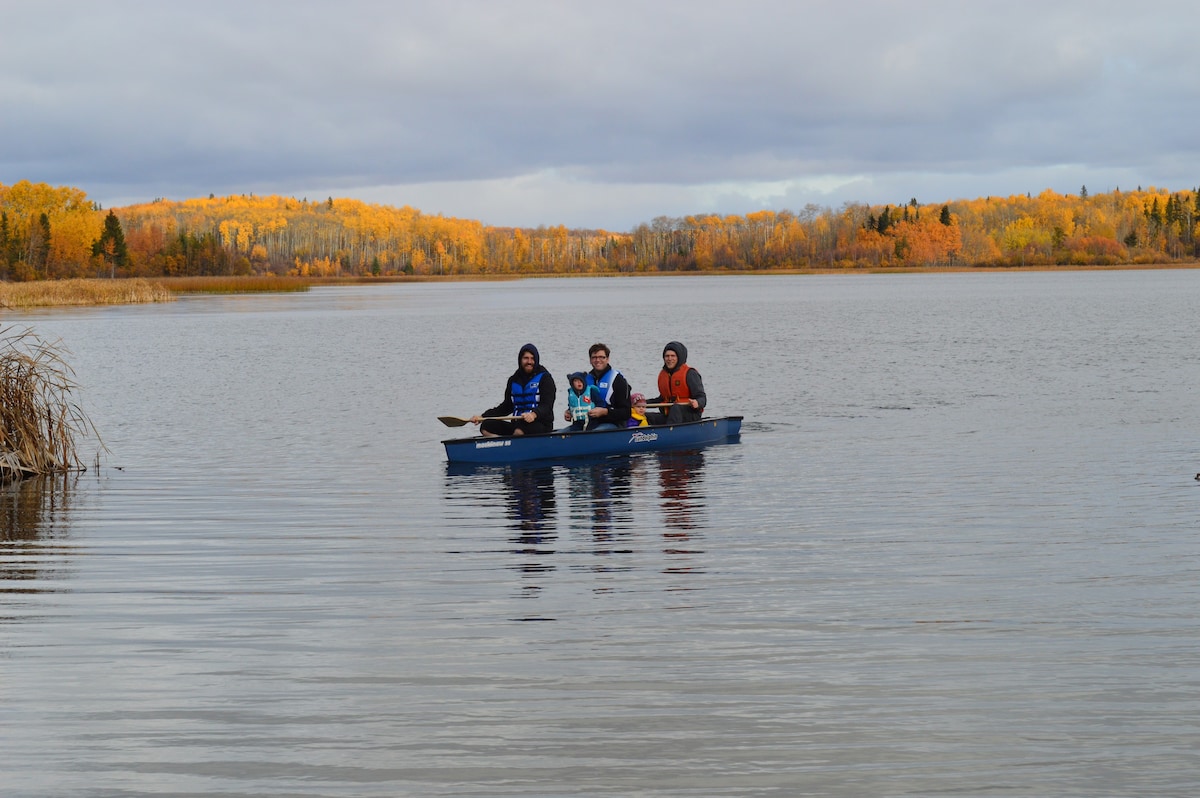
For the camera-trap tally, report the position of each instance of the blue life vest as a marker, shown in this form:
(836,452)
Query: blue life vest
(581,403)
(525,397)
(605,385)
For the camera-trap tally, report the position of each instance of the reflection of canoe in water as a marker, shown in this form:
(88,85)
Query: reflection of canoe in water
(559,445)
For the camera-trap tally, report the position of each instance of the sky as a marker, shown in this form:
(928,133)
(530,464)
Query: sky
(599,115)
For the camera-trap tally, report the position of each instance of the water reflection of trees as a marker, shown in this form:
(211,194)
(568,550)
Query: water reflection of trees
(34,519)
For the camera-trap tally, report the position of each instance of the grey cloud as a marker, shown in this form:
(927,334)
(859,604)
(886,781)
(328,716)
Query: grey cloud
(129,99)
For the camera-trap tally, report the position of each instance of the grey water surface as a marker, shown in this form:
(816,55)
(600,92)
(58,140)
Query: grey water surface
(956,551)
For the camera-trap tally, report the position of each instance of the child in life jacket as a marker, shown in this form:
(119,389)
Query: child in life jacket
(637,413)
(580,399)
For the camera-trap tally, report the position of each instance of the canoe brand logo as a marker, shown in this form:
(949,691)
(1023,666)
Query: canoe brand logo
(492,444)
(643,437)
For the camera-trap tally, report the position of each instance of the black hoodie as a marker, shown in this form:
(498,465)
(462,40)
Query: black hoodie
(547,391)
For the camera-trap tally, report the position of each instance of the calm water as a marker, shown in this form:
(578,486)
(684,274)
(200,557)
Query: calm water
(956,550)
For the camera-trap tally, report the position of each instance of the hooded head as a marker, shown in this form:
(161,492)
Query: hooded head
(576,375)
(680,351)
(530,348)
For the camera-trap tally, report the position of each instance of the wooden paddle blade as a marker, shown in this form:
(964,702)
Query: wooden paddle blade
(455,421)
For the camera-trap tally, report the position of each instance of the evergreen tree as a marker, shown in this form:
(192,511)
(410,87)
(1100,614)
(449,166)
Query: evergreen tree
(945,217)
(1155,215)
(111,244)
(13,245)
(1173,212)
(885,220)
(7,254)
(37,252)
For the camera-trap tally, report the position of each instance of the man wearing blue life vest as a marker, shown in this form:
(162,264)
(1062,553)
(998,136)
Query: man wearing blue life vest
(529,394)
(613,408)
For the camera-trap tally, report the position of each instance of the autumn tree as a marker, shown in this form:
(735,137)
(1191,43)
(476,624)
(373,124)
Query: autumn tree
(48,232)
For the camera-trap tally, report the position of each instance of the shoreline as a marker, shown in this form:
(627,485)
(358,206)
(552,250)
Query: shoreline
(93,292)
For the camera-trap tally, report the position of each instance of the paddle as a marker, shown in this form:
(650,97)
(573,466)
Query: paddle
(455,421)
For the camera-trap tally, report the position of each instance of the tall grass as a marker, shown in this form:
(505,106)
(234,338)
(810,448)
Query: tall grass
(47,293)
(254,284)
(39,422)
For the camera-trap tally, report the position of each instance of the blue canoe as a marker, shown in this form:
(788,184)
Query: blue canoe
(559,445)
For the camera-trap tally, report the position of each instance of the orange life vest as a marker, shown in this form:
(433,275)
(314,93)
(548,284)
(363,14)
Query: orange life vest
(673,387)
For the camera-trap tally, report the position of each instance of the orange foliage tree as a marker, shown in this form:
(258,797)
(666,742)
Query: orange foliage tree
(48,232)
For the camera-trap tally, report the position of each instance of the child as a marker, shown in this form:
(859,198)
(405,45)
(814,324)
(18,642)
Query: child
(580,400)
(637,413)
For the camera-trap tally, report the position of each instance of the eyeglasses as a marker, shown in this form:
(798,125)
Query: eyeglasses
(599,357)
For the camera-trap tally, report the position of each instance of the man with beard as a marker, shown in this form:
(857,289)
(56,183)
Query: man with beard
(529,394)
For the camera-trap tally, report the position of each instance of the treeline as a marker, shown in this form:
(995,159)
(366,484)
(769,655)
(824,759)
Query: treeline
(49,233)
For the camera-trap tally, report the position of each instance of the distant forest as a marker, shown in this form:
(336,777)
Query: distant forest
(57,232)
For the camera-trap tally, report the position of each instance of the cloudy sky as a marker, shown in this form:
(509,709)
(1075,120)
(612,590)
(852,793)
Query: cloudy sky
(545,112)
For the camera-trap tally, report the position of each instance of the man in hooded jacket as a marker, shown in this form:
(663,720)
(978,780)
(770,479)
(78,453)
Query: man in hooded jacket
(680,385)
(529,393)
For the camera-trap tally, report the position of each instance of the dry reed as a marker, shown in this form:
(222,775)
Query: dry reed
(39,423)
(251,284)
(49,293)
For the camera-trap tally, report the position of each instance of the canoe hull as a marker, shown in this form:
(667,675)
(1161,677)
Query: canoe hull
(561,445)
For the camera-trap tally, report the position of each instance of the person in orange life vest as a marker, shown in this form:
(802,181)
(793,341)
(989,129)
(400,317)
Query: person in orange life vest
(613,410)
(529,393)
(637,411)
(679,384)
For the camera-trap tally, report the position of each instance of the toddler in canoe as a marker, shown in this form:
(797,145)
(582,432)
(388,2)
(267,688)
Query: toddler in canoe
(580,399)
(637,412)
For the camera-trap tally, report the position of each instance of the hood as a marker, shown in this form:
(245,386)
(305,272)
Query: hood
(537,359)
(538,368)
(679,349)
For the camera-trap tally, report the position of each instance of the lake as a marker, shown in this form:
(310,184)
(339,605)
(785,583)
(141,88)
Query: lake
(955,550)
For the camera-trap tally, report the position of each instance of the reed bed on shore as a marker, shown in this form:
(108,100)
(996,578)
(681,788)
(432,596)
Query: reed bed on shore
(255,284)
(52,293)
(39,421)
